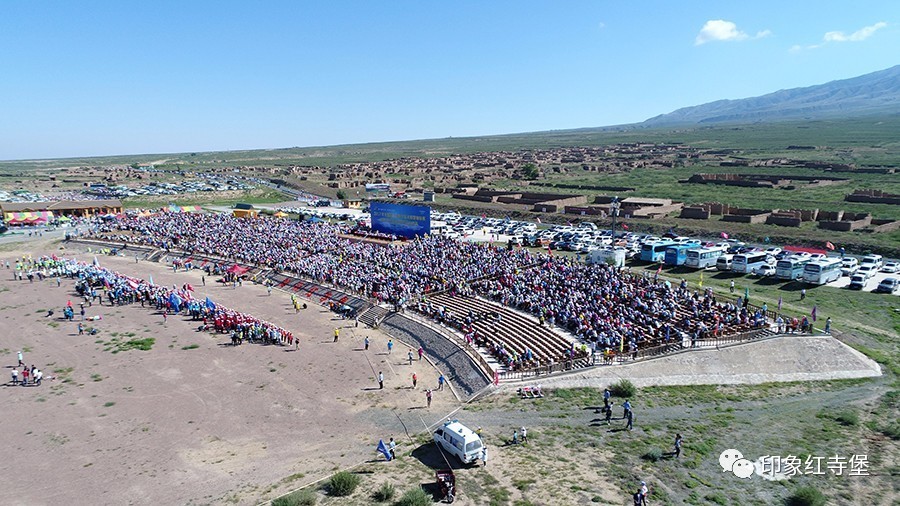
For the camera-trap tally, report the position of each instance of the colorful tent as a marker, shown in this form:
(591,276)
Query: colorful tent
(184,209)
(280,214)
(28,218)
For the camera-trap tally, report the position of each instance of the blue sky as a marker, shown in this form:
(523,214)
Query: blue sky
(103,78)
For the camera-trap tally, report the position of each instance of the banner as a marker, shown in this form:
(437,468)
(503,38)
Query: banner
(400,220)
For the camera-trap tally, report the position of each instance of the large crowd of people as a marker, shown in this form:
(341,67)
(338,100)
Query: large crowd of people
(608,306)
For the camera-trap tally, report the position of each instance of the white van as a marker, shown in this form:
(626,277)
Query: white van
(457,439)
(874,260)
(724,263)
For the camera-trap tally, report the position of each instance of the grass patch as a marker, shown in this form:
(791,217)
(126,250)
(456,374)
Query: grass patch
(109,404)
(623,388)
(298,498)
(342,484)
(806,496)
(414,497)
(117,345)
(385,493)
(190,347)
(96,377)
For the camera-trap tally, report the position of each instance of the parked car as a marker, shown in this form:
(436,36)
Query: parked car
(867,270)
(888,285)
(764,271)
(890,267)
(858,282)
(773,251)
(849,266)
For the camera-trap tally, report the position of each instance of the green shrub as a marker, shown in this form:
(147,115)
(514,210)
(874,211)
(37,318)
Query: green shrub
(299,498)
(623,388)
(414,497)
(847,418)
(343,484)
(654,455)
(384,493)
(806,496)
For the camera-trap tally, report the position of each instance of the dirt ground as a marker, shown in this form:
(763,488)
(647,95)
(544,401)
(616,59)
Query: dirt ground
(180,424)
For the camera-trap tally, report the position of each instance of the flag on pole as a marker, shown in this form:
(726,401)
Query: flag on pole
(746,293)
(189,287)
(659,270)
(779,302)
(210,304)
(813,313)
(829,245)
(383,449)
(701,280)
(724,235)
(151,279)
(96,262)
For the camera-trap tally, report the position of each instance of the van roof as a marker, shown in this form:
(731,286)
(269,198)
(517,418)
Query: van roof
(462,430)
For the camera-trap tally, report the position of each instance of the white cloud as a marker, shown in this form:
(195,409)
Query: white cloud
(838,36)
(721,30)
(718,29)
(859,35)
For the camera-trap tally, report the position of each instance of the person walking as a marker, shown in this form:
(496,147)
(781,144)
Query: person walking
(421,352)
(524,432)
(828,325)
(484,456)
(428,397)
(415,379)
(203,280)
(392,446)
(24,376)
(409,356)
(626,406)
(629,425)
(380,381)
(15,376)
(441,381)
(80,329)
(678,441)
(366,343)
(802,293)
(337,333)
(21,362)
(390,346)
(731,287)
(515,439)
(269,290)
(608,415)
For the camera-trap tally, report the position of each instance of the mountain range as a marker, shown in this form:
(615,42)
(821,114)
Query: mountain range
(869,94)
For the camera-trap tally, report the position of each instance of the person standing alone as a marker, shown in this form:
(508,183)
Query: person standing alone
(380,381)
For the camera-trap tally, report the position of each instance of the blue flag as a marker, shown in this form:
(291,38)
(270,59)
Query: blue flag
(175,301)
(383,449)
(210,304)
(151,279)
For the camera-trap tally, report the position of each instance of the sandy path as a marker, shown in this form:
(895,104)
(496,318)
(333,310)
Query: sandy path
(198,425)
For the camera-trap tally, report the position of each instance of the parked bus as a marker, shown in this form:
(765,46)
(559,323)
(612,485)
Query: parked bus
(677,255)
(823,271)
(655,251)
(790,269)
(701,258)
(744,263)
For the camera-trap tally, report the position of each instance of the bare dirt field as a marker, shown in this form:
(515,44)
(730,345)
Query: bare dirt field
(192,420)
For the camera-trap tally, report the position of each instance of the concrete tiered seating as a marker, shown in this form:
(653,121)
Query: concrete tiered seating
(514,330)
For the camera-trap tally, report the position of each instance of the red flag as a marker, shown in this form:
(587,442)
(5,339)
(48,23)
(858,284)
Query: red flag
(724,235)
(625,226)
(659,270)
(813,314)
(190,288)
(829,245)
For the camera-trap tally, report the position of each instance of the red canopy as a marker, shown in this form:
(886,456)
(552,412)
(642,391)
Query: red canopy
(237,269)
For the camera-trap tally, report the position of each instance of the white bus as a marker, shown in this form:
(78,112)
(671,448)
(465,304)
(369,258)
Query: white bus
(790,268)
(823,271)
(744,263)
(701,258)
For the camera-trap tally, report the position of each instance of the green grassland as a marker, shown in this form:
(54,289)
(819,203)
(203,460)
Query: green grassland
(873,137)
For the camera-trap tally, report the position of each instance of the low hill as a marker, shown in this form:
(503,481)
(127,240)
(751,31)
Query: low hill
(869,94)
